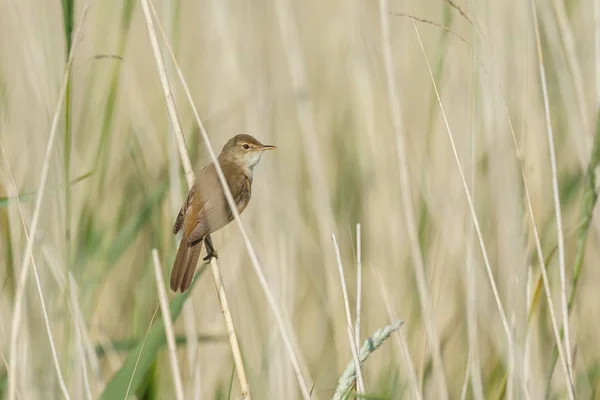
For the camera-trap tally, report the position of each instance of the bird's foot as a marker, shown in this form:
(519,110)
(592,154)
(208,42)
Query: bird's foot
(211,254)
(210,250)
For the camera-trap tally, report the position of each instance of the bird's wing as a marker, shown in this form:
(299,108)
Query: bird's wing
(202,228)
(181,216)
(194,201)
(215,212)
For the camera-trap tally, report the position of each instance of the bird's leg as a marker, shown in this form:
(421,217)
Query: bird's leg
(210,250)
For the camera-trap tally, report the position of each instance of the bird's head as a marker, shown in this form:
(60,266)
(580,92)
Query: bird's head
(244,150)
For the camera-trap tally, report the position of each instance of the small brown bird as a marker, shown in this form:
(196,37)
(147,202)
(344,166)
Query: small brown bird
(206,209)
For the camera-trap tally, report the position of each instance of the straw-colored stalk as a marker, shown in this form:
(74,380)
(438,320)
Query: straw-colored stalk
(253,258)
(28,255)
(166,316)
(407,207)
(469,200)
(353,347)
(358,286)
(190,177)
(557,209)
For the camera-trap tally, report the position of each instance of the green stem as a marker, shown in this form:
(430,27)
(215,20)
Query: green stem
(67,170)
(588,202)
(112,97)
(68,7)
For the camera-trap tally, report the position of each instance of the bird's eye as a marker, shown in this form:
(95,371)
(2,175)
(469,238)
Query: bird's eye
(245,146)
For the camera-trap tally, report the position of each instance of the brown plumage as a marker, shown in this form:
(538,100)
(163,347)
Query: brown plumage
(206,209)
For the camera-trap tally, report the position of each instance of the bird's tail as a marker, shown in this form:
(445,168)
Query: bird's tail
(184,265)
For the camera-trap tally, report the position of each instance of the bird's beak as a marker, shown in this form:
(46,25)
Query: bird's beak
(268,147)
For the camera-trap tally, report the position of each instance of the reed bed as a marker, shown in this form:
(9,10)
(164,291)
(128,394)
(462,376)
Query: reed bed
(450,149)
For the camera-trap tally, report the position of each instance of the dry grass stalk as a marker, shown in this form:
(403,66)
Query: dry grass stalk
(539,252)
(237,356)
(557,210)
(545,278)
(81,337)
(401,339)
(407,207)
(241,61)
(469,200)
(166,316)
(38,285)
(189,173)
(460,10)
(141,350)
(358,285)
(471,289)
(429,22)
(28,255)
(354,349)
(253,258)
(252,254)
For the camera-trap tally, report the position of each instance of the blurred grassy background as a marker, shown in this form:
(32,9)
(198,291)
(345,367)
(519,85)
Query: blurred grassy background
(337,165)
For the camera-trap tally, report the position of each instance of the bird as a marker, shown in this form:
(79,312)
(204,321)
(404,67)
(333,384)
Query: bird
(206,210)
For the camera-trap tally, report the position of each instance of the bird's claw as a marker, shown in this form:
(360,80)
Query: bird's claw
(210,250)
(210,256)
